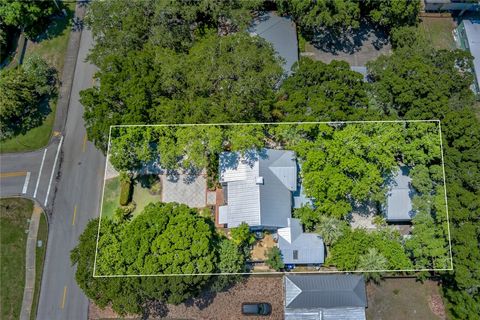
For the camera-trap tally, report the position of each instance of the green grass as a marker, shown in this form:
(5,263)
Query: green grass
(39,260)
(14,213)
(438,31)
(52,49)
(142,198)
(111,197)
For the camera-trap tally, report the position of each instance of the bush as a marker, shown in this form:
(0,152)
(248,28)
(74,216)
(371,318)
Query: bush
(156,188)
(274,259)
(126,190)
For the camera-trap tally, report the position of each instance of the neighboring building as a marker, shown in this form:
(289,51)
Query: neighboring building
(399,197)
(298,247)
(467,36)
(452,5)
(325,297)
(258,188)
(281,33)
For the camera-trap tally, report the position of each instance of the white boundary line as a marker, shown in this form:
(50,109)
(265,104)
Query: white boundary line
(40,173)
(25,185)
(277,272)
(445,189)
(101,203)
(53,170)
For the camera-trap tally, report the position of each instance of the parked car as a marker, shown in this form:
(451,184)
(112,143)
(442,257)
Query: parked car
(256,309)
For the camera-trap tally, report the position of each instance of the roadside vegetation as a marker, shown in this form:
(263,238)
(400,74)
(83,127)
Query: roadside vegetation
(28,107)
(195,64)
(14,215)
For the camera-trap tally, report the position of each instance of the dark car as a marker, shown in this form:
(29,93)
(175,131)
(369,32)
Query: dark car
(256,309)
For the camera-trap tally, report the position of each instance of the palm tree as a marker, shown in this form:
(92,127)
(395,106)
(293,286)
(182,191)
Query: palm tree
(372,260)
(330,229)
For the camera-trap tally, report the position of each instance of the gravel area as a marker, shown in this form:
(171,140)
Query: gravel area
(224,306)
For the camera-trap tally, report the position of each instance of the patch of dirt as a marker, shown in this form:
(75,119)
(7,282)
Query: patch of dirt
(223,306)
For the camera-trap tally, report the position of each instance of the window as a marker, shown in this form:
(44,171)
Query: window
(295,254)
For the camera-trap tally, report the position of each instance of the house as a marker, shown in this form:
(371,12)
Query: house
(399,197)
(281,33)
(325,297)
(467,36)
(298,247)
(258,188)
(451,5)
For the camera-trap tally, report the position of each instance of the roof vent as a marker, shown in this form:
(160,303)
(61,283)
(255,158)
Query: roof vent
(260,180)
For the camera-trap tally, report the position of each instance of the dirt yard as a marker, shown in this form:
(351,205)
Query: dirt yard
(405,298)
(225,306)
(260,248)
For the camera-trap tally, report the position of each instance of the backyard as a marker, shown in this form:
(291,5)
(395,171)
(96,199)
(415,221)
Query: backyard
(438,31)
(407,298)
(51,46)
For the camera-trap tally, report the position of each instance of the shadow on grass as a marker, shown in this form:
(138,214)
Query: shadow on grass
(58,25)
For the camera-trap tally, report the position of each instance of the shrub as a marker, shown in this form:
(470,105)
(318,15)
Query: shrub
(274,259)
(126,190)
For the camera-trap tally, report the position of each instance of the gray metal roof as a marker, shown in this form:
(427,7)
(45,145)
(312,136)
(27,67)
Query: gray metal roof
(281,33)
(472,29)
(399,197)
(356,313)
(324,291)
(309,246)
(259,187)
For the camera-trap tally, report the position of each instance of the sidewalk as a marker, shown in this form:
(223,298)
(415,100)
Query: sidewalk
(30,264)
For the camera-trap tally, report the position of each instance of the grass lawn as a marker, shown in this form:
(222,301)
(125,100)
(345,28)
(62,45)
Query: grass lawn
(142,198)
(14,213)
(111,197)
(52,48)
(39,259)
(438,31)
(398,299)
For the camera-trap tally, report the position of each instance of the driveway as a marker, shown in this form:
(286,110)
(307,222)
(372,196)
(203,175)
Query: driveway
(187,189)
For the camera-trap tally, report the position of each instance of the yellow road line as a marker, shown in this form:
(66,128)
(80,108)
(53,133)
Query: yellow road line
(13,174)
(64,297)
(74,215)
(84,143)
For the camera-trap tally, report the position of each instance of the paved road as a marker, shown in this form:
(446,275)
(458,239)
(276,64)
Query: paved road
(77,200)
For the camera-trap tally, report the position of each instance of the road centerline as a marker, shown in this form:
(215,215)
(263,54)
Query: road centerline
(40,173)
(74,215)
(84,146)
(64,297)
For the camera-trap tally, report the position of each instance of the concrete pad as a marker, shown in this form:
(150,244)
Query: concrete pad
(185,189)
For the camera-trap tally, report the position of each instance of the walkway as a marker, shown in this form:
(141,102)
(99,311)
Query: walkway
(29,289)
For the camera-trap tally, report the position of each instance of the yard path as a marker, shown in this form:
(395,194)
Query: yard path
(29,289)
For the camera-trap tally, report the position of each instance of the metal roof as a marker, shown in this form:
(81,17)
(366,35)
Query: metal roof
(281,33)
(259,187)
(356,313)
(472,29)
(399,197)
(324,291)
(309,247)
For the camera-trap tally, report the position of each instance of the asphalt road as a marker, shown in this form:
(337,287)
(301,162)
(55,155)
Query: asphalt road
(77,200)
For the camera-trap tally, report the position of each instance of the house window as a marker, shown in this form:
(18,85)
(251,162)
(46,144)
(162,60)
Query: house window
(295,254)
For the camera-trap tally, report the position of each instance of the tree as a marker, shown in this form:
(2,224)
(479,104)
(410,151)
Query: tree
(232,259)
(393,14)
(330,229)
(274,259)
(318,16)
(25,94)
(30,16)
(372,261)
(241,235)
(308,216)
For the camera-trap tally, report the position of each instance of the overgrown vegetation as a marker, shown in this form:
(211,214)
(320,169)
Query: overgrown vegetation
(147,77)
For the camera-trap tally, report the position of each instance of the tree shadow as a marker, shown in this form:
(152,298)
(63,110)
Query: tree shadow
(57,26)
(350,41)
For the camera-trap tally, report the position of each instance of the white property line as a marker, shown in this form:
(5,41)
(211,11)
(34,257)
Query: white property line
(25,185)
(40,173)
(275,272)
(53,171)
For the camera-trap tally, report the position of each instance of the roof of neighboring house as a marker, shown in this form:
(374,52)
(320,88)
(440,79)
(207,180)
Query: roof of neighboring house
(314,292)
(399,197)
(472,29)
(281,33)
(259,186)
(298,247)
